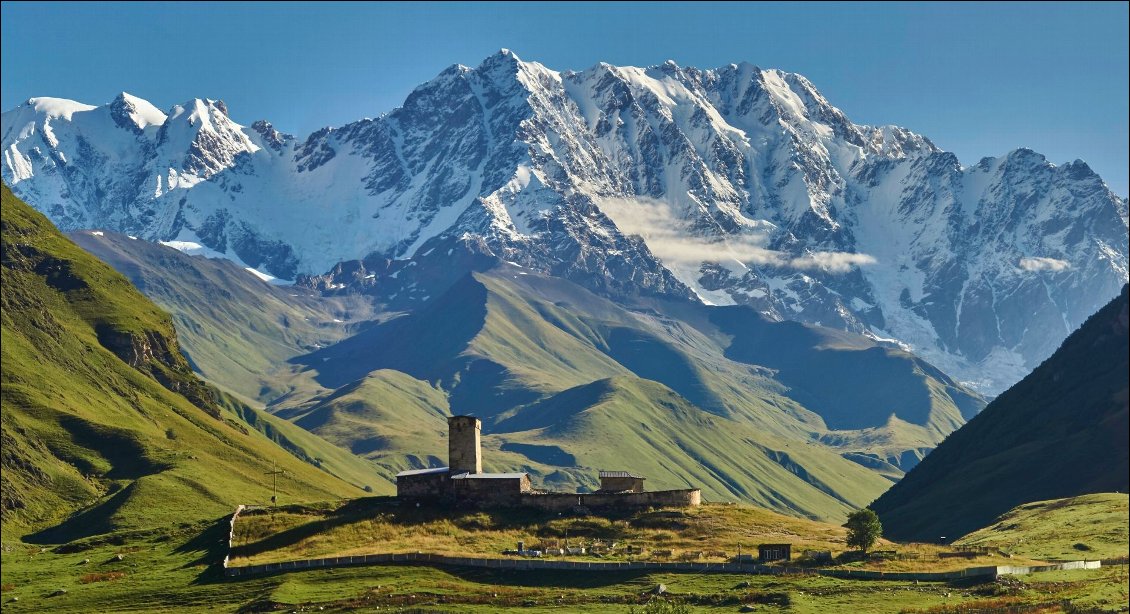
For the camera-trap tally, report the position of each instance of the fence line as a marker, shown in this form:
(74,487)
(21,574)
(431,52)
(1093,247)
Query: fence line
(420,558)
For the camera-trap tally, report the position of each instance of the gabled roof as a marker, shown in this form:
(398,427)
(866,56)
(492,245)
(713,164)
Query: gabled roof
(423,471)
(620,474)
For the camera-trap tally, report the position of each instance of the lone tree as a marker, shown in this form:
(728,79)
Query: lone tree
(864,529)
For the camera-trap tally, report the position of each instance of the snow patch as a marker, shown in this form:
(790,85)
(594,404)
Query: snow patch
(58,107)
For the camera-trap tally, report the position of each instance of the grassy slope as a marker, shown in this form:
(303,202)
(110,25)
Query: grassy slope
(384,414)
(238,330)
(84,431)
(643,426)
(714,531)
(1088,526)
(528,351)
(504,342)
(1058,433)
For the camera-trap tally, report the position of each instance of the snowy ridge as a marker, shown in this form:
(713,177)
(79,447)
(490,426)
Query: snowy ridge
(738,185)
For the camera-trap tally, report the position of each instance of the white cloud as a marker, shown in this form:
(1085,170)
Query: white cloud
(668,238)
(1044,264)
(833,262)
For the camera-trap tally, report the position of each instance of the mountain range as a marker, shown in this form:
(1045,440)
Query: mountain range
(735,186)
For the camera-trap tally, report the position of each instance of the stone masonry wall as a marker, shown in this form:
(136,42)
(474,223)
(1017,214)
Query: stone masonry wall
(464,453)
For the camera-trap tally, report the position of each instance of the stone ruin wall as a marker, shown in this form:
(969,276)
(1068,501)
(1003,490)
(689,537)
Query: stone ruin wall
(559,502)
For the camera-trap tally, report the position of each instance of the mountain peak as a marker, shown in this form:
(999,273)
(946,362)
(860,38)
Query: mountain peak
(501,57)
(135,113)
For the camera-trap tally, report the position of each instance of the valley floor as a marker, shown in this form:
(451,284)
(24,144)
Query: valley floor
(178,568)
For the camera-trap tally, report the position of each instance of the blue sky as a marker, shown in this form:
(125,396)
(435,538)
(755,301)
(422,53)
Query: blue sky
(979,79)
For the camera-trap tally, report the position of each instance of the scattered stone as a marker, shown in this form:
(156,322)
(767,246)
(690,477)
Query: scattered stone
(659,589)
(119,557)
(59,593)
(748,608)
(86,561)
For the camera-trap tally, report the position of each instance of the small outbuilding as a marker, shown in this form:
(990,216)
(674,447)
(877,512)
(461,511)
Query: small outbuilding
(620,481)
(774,552)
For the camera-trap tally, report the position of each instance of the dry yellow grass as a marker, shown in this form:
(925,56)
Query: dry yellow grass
(381,525)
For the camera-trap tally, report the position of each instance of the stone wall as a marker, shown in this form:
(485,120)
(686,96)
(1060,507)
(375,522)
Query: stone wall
(490,491)
(556,502)
(464,453)
(422,486)
(622,484)
(604,567)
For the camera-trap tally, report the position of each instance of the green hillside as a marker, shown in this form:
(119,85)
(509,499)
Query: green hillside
(105,426)
(644,426)
(1084,527)
(520,349)
(239,331)
(1060,432)
(568,383)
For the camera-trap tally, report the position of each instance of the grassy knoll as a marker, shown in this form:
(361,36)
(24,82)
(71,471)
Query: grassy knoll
(380,525)
(173,568)
(1083,527)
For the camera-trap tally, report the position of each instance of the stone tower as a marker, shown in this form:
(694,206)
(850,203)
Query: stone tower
(463,453)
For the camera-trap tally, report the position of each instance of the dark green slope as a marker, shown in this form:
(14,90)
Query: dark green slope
(1060,432)
(104,425)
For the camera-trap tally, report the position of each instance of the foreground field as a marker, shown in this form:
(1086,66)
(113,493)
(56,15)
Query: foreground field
(178,567)
(174,570)
(713,532)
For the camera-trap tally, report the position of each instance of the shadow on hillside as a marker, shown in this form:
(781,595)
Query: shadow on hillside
(86,523)
(208,548)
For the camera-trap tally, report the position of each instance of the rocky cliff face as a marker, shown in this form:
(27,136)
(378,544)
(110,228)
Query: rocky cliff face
(736,185)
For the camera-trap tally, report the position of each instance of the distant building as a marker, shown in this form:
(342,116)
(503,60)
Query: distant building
(463,482)
(774,552)
(463,479)
(620,481)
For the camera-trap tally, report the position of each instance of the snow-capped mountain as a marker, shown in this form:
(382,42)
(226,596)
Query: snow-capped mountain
(738,185)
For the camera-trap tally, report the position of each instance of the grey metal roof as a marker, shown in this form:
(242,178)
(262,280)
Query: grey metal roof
(422,471)
(489,476)
(620,474)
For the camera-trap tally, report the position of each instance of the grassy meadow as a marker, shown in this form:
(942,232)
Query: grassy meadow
(712,532)
(176,569)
